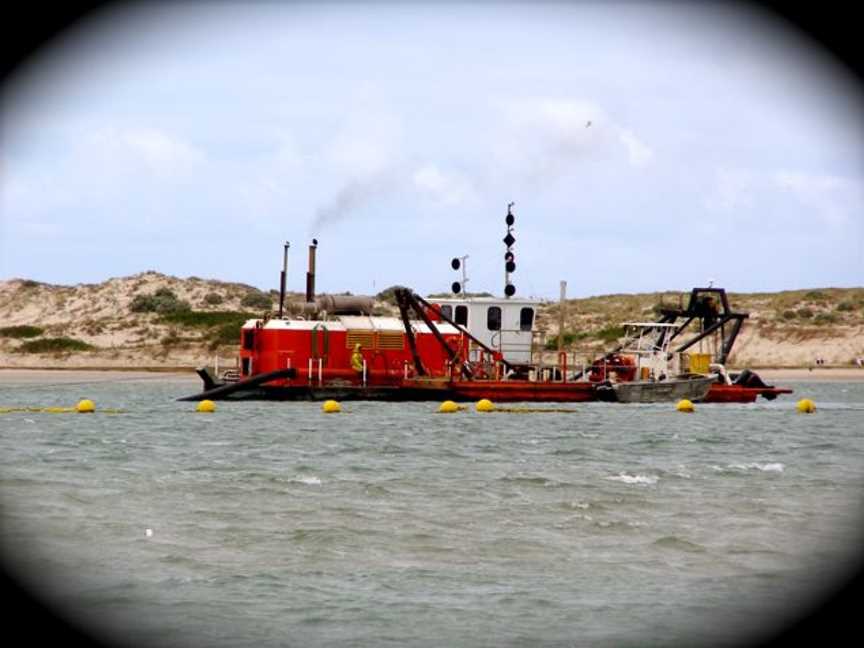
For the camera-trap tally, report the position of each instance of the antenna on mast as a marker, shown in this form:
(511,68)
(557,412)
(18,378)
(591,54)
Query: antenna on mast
(509,257)
(456,263)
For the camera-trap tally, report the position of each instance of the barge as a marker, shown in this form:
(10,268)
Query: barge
(466,348)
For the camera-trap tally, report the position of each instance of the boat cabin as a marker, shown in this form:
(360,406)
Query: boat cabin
(648,344)
(503,324)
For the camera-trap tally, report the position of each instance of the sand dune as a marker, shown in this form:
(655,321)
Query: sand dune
(788,330)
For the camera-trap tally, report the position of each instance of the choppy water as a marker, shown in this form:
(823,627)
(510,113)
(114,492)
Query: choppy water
(390,525)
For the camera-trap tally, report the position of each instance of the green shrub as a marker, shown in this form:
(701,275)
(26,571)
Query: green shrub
(805,313)
(54,345)
(224,326)
(256,299)
(826,318)
(206,318)
(845,306)
(789,314)
(227,334)
(213,299)
(23,331)
(814,295)
(446,295)
(569,338)
(609,333)
(162,301)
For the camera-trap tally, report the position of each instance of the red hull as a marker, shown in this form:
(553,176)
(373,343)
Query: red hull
(519,390)
(738,394)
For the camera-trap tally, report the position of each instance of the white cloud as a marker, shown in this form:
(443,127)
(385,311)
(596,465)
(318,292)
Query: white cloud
(732,189)
(836,199)
(368,143)
(638,153)
(159,149)
(162,154)
(447,189)
(553,136)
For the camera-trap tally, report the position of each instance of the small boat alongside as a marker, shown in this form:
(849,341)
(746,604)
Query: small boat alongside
(692,388)
(645,371)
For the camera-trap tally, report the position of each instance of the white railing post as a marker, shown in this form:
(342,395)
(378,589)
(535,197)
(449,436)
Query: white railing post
(310,371)
(320,371)
(364,372)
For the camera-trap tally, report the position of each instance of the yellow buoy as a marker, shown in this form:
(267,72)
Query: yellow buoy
(331,407)
(485,405)
(685,405)
(806,406)
(85,406)
(206,406)
(448,407)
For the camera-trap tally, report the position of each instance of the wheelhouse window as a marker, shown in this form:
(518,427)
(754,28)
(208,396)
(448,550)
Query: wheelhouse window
(446,310)
(526,319)
(493,318)
(462,315)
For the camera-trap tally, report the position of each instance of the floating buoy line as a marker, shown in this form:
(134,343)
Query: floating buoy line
(85,406)
(484,405)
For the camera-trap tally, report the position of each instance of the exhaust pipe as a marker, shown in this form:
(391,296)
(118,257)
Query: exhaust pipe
(310,276)
(282,280)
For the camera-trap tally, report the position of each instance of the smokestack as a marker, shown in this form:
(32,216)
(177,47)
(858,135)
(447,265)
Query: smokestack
(310,276)
(282,280)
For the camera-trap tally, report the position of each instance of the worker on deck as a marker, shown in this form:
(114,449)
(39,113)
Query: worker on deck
(357,359)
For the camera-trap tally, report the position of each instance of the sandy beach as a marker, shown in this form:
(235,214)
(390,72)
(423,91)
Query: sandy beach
(66,376)
(828,374)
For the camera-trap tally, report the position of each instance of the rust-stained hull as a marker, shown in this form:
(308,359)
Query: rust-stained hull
(720,393)
(504,391)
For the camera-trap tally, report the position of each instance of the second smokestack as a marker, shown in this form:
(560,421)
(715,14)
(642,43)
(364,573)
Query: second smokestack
(310,275)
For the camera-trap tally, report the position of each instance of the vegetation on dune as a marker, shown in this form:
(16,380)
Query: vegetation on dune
(256,299)
(206,318)
(22,331)
(223,327)
(609,333)
(164,300)
(54,345)
(445,295)
(569,338)
(226,334)
(213,299)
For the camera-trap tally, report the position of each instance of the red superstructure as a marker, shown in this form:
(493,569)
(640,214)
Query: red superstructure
(322,351)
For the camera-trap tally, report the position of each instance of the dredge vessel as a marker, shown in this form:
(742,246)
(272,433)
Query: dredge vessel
(465,348)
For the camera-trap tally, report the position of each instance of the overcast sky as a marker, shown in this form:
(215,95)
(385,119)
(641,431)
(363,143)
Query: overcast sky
(647,146)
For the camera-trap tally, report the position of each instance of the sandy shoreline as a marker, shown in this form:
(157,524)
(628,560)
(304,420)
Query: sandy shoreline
(62,375)
(816,374)
(37,376)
